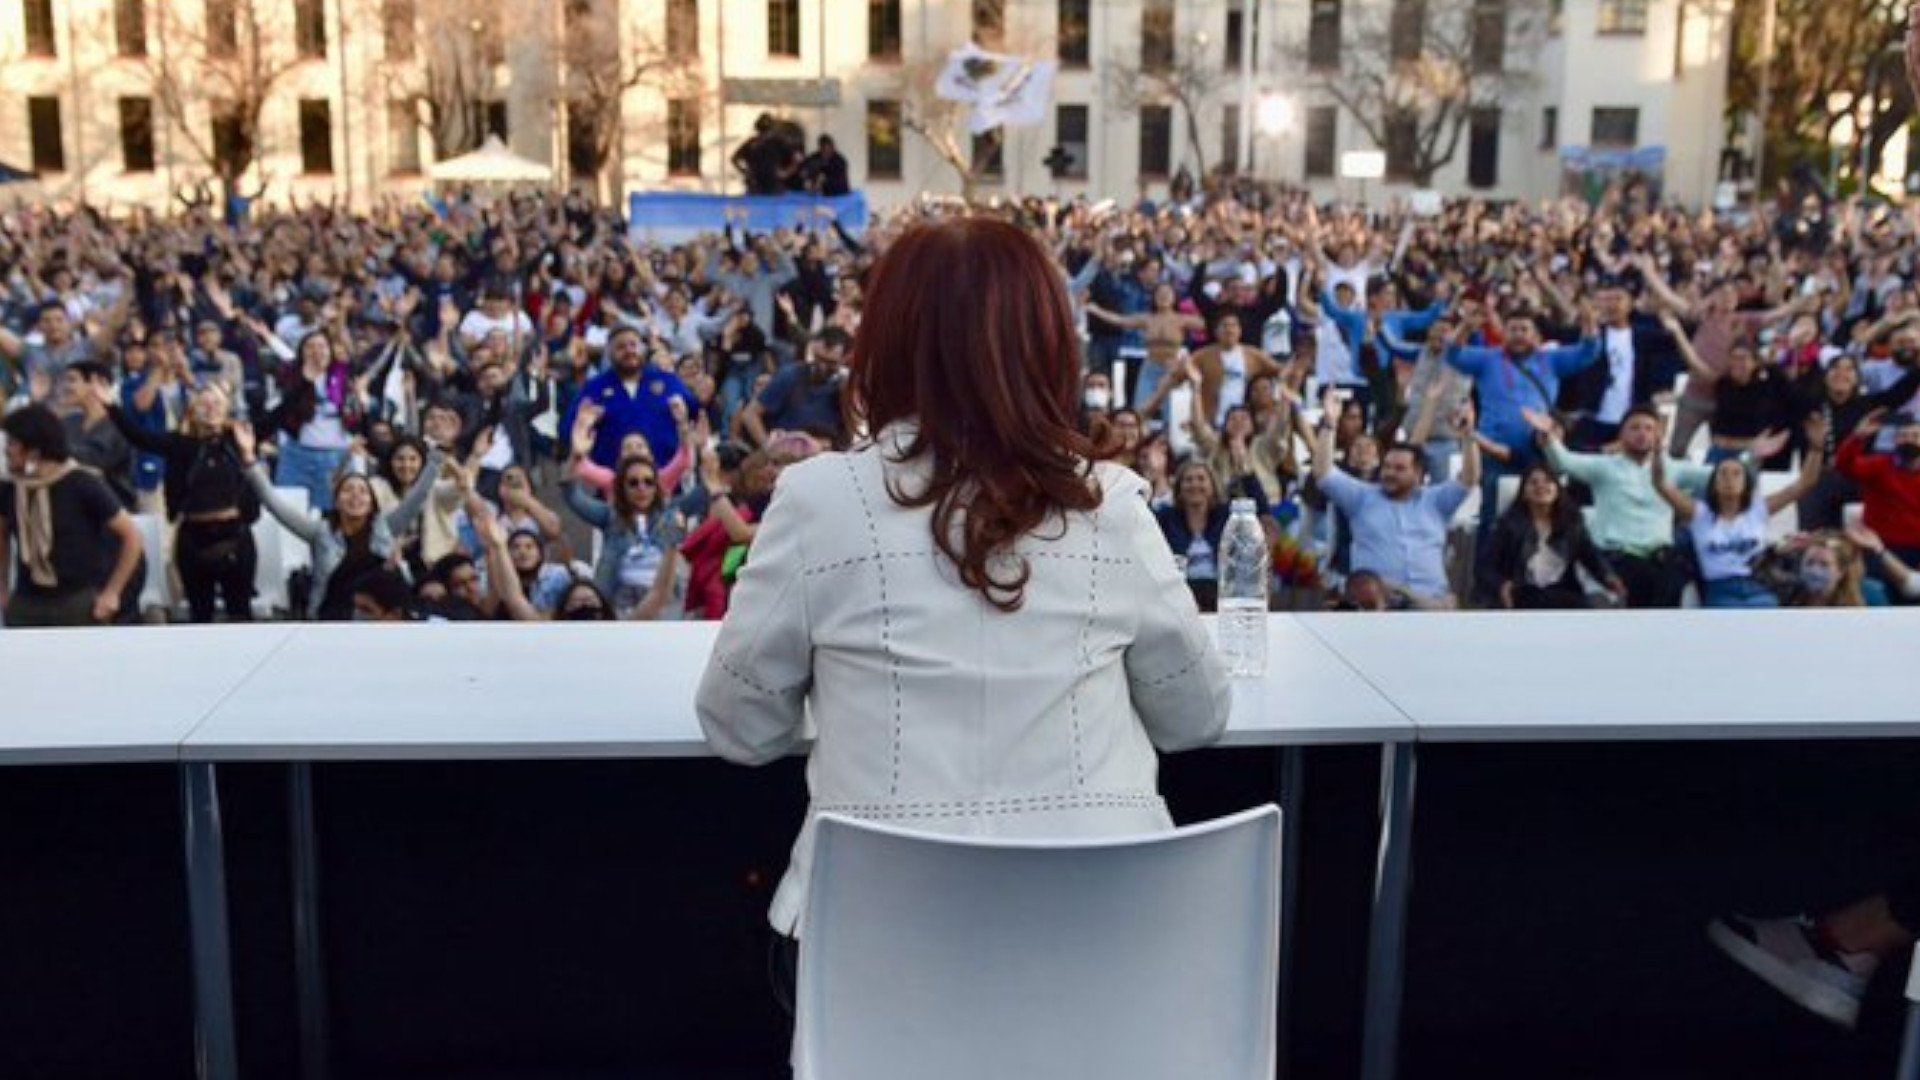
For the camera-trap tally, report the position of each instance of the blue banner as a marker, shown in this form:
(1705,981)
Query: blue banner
(1585,172)
(674,217)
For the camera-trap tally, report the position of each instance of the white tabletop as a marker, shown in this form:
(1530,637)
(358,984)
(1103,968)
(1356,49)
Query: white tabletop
(73,696)
(467,690)
(504,691)
(1630,676)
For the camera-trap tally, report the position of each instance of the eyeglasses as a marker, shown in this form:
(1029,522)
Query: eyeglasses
(639,481)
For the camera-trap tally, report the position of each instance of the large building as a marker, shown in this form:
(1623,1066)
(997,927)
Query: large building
(356,90)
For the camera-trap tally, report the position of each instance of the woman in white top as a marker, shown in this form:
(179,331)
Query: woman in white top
(1729,525)
(980,612)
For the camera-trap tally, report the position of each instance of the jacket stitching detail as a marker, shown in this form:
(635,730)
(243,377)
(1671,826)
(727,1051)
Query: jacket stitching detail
(857,560)
(726,665)
(1026,805)
(886,620)
(1154,683)
(1080,651)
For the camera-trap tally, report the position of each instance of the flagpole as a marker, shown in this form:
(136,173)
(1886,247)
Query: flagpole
(1247,39)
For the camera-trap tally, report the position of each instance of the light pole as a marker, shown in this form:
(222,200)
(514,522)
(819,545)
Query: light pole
(1769,15)
(1248,37)
(1276,115)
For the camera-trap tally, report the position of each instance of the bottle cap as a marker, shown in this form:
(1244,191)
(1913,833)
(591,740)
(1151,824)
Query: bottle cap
(1243,506)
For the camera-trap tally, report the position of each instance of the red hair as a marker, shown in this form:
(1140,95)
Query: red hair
(967,329)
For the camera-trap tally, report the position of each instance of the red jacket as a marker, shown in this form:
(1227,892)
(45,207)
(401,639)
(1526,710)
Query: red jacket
(1891,493)
(706,553)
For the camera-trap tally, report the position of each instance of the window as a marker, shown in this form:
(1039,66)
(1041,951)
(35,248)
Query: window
(1323,36)
(43,125)
(683,137)
(1322,131)
(130,26)
(683,28)
(1489,36)
(136,134)
(316,136)
(1070,134)
(310,28)
(223,33)
(989,23)
(988,162)
(1156,35)
(403,139)
(1550,127)
(40,28)
(231,153)
(1615,129)
(883,29)
(1403,143)
(396,20)
(1623,17)
(1236,37)
(1230,137)
(1407,30)
(1075,31)
(883,140)
(497,119)
(783,28)
(1483,148)
(1156,140)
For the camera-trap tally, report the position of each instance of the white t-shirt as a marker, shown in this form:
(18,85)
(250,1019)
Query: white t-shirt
(1233,382)
(477,324)
(1619,396)
(1726,549)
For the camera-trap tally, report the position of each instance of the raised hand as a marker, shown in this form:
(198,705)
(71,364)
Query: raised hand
(1540,422)
(1769,443)
(1866,539)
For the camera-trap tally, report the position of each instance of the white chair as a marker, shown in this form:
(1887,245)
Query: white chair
(157,590)
(957,958)
(1910,1045)
(1507,489)
(279,553)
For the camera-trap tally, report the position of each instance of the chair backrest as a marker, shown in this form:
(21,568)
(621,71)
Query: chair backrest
(156,591)
(943,958)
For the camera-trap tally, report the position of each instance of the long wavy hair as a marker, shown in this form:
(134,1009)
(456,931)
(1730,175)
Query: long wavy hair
(968,331)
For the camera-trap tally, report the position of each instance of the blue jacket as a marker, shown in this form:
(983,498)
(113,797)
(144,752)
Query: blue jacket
(1401,331)
(645,412)
(1121,293)
(1504,391)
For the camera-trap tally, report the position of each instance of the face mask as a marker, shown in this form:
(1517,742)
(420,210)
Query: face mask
(1098,400)
(1906,453)
(1818,578)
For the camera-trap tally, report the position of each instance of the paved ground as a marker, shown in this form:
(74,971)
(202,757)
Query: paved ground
(598,920)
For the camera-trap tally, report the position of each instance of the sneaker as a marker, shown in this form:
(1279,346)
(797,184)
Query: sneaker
(1787,955)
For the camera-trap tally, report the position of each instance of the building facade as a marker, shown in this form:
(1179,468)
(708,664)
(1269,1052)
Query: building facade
(346,116)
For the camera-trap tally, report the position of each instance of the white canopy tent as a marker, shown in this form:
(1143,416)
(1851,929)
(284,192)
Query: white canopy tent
(493,163)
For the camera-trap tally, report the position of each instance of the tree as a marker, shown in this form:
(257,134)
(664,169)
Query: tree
(944,126)
(1832,59)
(446,66)
(1188,80)
(233,59)
(1414,73)
(600,69)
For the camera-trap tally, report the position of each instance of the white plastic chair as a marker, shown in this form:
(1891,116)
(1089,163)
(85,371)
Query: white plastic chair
(279,553)
(957,958)
(1910,1044)
(157,591)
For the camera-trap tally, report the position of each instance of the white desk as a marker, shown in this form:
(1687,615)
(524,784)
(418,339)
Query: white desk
(505,691)
(1639,675)
(97,696)
(466,691)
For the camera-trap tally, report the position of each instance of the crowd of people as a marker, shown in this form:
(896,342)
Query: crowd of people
(512,408)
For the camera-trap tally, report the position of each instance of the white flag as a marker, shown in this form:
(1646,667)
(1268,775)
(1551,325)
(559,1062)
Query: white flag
(1021,102)
(972,75)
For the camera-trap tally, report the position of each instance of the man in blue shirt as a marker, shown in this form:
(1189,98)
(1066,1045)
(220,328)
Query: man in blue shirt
(633,399)
(805,396)
(1509,380)
(1400,524)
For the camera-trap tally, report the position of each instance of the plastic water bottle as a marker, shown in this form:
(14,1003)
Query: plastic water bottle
(1245,570)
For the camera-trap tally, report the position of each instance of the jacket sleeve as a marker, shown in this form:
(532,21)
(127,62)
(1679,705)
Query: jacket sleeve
(302,525)
(401,517)
(1178,682)
(752,698)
